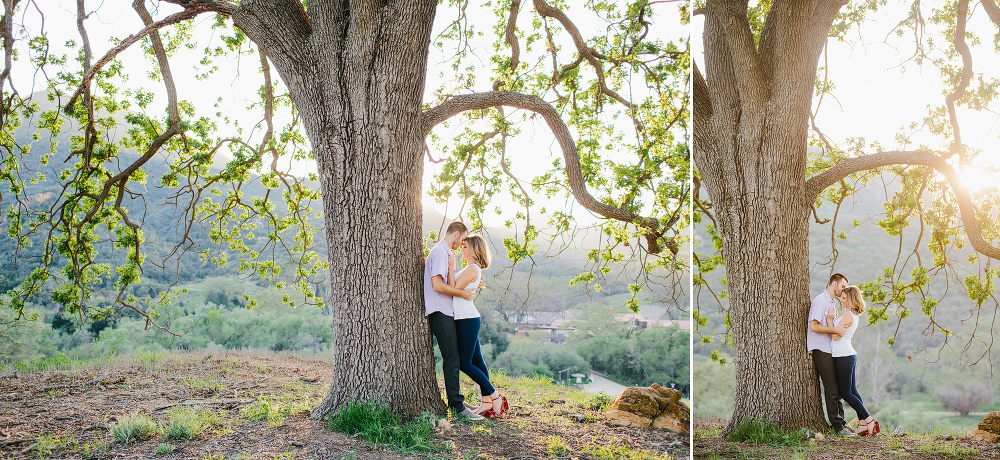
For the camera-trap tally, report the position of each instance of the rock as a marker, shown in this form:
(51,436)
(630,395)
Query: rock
(676,418)
(576,416)
(819,437)
(669,393)
(991,423)
(623,418)
(443,424)
(557,401)
(984,436)
(643,401)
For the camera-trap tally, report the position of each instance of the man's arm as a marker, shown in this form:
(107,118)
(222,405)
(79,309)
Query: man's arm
(845,322)
(815,326)
(438,284)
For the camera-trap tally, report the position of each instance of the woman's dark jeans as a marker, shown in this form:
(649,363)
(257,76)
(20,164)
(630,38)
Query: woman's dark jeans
(846,383)
(469,354)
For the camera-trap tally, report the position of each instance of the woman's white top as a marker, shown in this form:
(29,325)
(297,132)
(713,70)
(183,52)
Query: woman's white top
(843,346)
(465,309)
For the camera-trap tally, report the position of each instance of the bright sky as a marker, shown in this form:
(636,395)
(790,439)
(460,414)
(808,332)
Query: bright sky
(237,79)
(875,97)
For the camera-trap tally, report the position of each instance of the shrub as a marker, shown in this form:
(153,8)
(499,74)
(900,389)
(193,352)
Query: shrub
(967,398)
(761,431)
(133,427)
(599,402)
(374,423)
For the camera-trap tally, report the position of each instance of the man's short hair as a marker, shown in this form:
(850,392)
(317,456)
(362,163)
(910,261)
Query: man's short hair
(836,277)
(456,226)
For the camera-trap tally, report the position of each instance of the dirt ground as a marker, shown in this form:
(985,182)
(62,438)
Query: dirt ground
(69,414)
(885,445)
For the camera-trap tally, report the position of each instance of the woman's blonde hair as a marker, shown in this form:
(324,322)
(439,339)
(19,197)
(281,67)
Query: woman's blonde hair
(479,250)
(855,301)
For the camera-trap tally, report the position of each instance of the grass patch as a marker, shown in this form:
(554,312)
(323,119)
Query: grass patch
(184,423)
(948,450)
(275,409)
(97,448)
(133,427)
(557,446)
(203,383)
(761,431)
(618,452)
(599,402)
(164,448)
(53,394)
(58,362)
(713,430)
(46,444)
(374,423)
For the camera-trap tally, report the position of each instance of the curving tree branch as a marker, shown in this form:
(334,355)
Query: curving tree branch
(478,101)
(816,184)
(963,49)
(510,37)
(191,9)
(585,51)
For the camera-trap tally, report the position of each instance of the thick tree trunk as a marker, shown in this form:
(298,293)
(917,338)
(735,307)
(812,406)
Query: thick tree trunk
(356,75)
(751,116)
(764,229)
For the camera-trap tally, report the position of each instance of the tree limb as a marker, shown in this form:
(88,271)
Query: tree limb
(510,37)
(478,101)
(191,9)
(816,184)
(963,49)
(750,78)
(585,51)
(702,97)
(992,11)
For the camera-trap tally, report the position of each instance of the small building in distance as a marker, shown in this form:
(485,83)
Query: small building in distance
(640,322)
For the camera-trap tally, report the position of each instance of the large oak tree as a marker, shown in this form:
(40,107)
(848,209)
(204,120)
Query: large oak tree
(764,167)
(353,77)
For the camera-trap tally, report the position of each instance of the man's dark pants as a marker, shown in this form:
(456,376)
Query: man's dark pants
(443,328)
(827,371)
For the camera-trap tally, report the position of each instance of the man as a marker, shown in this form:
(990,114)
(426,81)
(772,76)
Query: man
(820,345)
(438,270)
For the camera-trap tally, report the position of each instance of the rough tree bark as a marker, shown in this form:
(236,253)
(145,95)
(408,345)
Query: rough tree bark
(751,112)
(356,74)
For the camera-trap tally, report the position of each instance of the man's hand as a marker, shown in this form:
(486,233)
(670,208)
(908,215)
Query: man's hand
(467,295)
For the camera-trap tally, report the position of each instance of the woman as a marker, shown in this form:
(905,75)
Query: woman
(467,322)
(845,358)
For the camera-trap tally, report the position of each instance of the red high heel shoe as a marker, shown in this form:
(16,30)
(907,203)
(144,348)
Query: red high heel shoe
(874,431)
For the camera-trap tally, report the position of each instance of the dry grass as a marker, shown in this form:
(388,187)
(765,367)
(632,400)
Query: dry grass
(226,406)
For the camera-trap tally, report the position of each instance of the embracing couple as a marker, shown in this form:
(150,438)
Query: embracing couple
(829,343)
(454,320)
